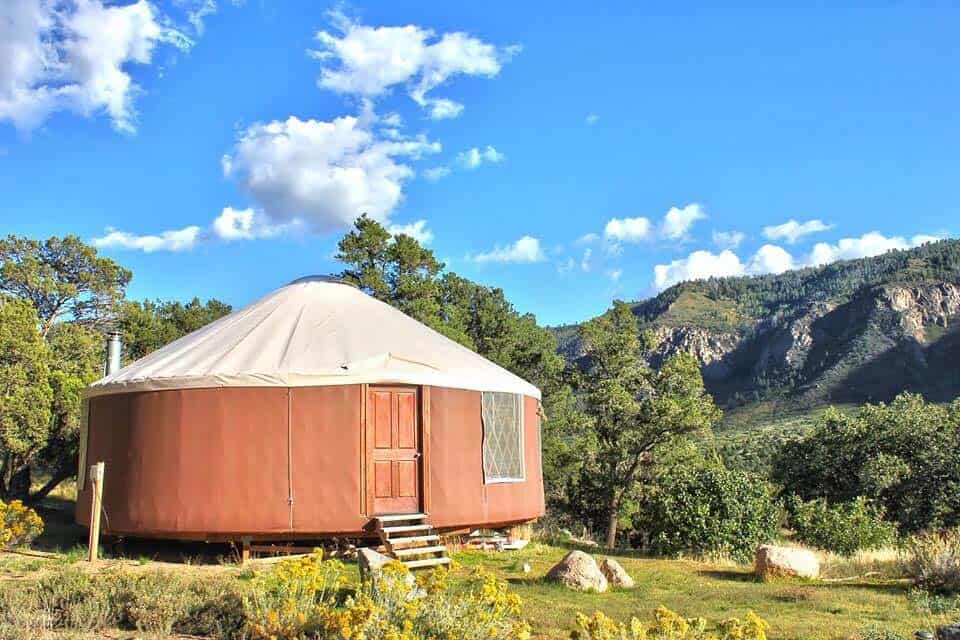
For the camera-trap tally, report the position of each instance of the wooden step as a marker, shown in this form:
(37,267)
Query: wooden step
(400,517)
(413,539)
(415,551)
(405,528)
(429,562)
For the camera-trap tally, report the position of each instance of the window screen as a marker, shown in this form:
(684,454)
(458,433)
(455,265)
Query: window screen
(502,437)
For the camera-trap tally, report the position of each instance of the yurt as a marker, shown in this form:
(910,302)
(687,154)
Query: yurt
(307,414)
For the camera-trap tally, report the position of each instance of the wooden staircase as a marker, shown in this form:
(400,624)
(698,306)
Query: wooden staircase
(408,538)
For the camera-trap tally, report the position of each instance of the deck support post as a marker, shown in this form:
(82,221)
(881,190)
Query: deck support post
(245,542)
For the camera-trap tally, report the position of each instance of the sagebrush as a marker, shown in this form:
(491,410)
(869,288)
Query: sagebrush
(932,560)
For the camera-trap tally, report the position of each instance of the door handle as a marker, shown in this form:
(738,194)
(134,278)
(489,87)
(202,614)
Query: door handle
(417,455)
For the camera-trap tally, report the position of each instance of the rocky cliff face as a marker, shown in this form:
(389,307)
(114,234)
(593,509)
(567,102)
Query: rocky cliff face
(921,308)
(710,347)
(884,340)
(870,344)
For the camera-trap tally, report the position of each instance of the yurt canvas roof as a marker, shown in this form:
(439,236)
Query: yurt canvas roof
(314,331)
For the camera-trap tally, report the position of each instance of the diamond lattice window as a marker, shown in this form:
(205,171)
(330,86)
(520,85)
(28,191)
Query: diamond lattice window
(502,437)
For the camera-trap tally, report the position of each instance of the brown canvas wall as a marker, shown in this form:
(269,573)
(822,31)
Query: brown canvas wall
(197,460)
(459,495)
(208,463)
(326,458)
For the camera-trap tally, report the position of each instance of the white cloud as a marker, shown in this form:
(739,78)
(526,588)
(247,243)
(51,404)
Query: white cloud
(323,173)
(770,259)
(676,222)
(58,56)
(627,229)
(435,173)
(246,224)
(416,230)
(869,244)
(614,274)
(728,239)
(369,61)
(567,266)
(588,238)
(591,118)
(173,240)
(443,109)
(698,265)
(526,249)
(774,259)
(585,261)
(470,159)
(197,11)
(792,231)
(474,157)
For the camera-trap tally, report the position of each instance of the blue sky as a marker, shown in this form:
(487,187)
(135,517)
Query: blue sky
(569,153)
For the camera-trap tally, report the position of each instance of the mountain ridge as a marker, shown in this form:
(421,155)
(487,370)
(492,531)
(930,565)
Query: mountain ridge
(851,331)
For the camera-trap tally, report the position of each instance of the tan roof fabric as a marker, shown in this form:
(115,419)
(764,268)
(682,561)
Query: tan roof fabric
(313,332)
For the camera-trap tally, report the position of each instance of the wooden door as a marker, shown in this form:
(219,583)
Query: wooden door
(393,450)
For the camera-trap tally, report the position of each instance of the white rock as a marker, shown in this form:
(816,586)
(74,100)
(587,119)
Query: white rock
(615,573)
(773,561)
(371,568)
(578,571)
(949,631)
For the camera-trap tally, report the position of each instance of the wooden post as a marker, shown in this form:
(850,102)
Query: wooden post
(96,498)
(245,542)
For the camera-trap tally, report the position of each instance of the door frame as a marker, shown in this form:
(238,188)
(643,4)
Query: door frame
(366,450)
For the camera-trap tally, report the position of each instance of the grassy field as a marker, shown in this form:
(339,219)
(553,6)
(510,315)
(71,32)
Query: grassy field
(835,608)
(795,609)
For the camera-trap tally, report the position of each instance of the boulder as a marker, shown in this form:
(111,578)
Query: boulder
(578,571)
(949,631)
(615,574)
(371,564)
(772,562)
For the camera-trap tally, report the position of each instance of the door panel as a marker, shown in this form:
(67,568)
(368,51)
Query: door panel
(407,420)
(383,479)
(382,419)
(393,415)
(407,478)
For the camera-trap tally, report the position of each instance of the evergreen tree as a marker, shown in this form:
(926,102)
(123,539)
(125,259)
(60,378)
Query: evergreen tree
(25,394)
(632,409)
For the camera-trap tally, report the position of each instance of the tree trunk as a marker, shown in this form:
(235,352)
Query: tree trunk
(19,488)
(53,483)
(614,516)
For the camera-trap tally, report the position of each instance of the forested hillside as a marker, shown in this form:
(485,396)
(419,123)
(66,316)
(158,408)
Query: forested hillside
(850,331)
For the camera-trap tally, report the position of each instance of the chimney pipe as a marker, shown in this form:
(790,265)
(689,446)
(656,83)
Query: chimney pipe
(113,353)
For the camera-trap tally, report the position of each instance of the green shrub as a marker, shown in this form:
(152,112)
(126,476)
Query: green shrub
(155,603)
(709,510)
(932,560)
(218,611)
(933,604)
(158,601)
(843,528)
(20,615)
(72,599)
(901,455)
(878,633)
